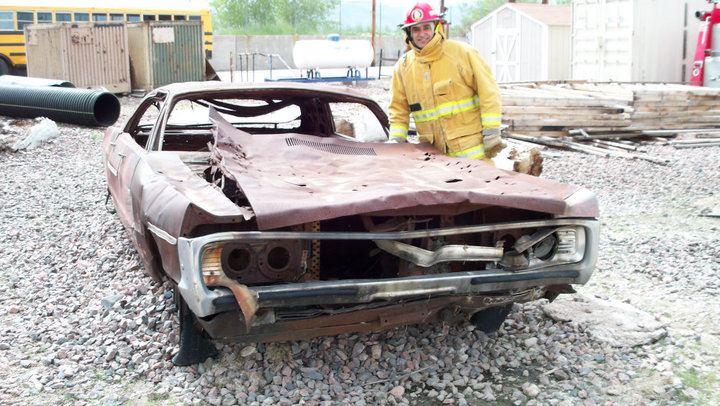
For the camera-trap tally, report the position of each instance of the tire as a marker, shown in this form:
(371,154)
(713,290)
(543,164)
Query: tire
(194,346)
(489,320)
(4,67)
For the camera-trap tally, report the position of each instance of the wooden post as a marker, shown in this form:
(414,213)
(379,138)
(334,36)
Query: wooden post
(447,23)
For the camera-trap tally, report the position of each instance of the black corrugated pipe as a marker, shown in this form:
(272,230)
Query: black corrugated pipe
(68,105)
(32,81)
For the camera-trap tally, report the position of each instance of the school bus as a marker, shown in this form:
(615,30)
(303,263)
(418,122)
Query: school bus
(13,17)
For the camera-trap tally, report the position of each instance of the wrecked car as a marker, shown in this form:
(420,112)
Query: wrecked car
(273,221)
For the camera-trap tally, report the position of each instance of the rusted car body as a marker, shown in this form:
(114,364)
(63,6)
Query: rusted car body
(273,225)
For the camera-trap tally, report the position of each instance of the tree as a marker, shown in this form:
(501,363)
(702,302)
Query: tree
(474,11)
(254,17)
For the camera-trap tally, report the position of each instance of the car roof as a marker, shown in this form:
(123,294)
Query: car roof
(184,88)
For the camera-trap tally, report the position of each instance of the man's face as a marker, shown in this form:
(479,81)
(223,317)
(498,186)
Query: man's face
(422,34)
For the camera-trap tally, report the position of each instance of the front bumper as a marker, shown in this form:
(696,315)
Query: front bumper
(206,303)
(230,325)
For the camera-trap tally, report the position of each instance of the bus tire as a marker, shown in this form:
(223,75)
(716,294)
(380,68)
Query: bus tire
(4,67)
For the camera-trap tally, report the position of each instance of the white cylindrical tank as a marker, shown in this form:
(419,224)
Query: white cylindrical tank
(329,54)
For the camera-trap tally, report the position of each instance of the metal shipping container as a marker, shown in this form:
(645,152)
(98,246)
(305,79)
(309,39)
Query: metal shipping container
(633,40)
(164,52)
(90,55)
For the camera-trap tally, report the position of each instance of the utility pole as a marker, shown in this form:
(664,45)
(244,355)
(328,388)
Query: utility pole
(447,23)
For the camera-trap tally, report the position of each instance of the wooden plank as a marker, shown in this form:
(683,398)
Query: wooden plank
(663,119)
(544,93)
(632,147)
(538,132)
(571,117)
(510,109)
(713,144)
(560,102)
(695,141)
(576,146)
(645,108)
(625,96)
(571,122)
(615,90)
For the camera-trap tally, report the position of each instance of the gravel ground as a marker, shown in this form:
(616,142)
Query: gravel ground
(80,323)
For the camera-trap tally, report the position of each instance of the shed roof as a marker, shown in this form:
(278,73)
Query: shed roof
(550,14)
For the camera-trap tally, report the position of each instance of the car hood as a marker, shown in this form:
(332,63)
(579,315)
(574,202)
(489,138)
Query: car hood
(291,179)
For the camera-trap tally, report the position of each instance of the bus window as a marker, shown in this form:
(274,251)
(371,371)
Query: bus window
(179,17)
(82,17)
(133,17)
(6,20)
(195,17)
(99,17)
(117,17)
(24,18)
(148,17)
(44,17)
(60,16)
(164,17)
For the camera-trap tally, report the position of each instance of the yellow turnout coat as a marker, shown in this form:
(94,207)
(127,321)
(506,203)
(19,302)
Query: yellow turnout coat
(449,91)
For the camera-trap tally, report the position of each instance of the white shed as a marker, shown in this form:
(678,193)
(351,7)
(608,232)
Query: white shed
(634,40)
(525,42)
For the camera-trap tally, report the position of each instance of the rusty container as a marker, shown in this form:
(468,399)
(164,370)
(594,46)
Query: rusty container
(90,55)
(164,52)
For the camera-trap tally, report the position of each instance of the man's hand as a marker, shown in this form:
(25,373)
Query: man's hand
(493,143)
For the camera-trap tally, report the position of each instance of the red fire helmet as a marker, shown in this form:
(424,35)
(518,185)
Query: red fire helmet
(421,12)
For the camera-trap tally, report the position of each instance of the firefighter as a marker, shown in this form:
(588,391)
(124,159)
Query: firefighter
(447,88)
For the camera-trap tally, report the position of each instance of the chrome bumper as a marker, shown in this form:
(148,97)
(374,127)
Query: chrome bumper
(205,302)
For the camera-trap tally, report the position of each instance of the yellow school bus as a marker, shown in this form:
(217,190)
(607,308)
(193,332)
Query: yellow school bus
(14,15)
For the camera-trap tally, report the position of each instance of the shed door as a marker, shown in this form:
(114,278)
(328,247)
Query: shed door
(506,56)
(506,43)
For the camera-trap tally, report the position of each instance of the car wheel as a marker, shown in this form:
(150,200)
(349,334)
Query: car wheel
(195,347)
(4,68)
(489,320)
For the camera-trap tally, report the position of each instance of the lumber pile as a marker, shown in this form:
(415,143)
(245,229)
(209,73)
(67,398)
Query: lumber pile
(602,118)
(553,110)
(607,110)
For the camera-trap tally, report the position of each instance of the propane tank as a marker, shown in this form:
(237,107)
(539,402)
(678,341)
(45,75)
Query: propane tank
(332,53)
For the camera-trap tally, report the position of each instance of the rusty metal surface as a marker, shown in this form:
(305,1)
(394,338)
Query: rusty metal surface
(450,309)
(297,179)
(159,189)
(164,52)
(88,54)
